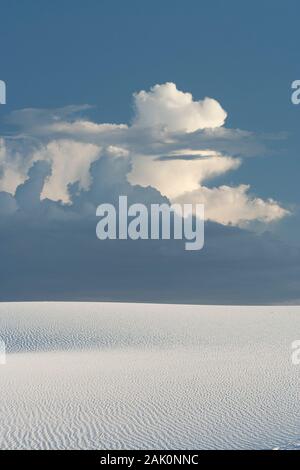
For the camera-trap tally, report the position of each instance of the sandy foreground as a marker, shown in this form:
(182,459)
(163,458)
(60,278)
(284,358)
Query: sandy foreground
(142,376)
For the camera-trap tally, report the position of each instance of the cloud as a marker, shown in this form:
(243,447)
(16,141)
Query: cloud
(14,165)
(175,144)
(28,194)
(38,121)
(65,261)
(176,176)
(167,107)
(232,205)
(49,251)
(70,162)
(57,166)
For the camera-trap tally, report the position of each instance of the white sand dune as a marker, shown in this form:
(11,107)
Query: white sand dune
(115,376)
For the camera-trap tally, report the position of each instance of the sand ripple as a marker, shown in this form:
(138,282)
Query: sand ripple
(115,376)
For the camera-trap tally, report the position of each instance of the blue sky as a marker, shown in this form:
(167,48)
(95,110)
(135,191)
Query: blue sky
(244,55)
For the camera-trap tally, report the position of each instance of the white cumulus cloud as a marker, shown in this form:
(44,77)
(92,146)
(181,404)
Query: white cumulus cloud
(175,144)
(166,106)
(175,176)
(233,205)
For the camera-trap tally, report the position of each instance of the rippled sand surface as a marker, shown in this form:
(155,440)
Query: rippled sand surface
(141,376)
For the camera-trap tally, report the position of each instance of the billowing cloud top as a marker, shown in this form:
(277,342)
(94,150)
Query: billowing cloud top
(169,108)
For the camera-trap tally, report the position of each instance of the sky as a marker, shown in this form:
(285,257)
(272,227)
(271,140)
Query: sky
(169,102)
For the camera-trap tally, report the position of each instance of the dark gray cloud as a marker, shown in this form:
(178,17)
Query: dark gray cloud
(57,166)
(49,251)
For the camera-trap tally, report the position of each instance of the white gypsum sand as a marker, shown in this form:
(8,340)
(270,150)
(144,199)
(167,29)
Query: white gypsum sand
(122,376)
